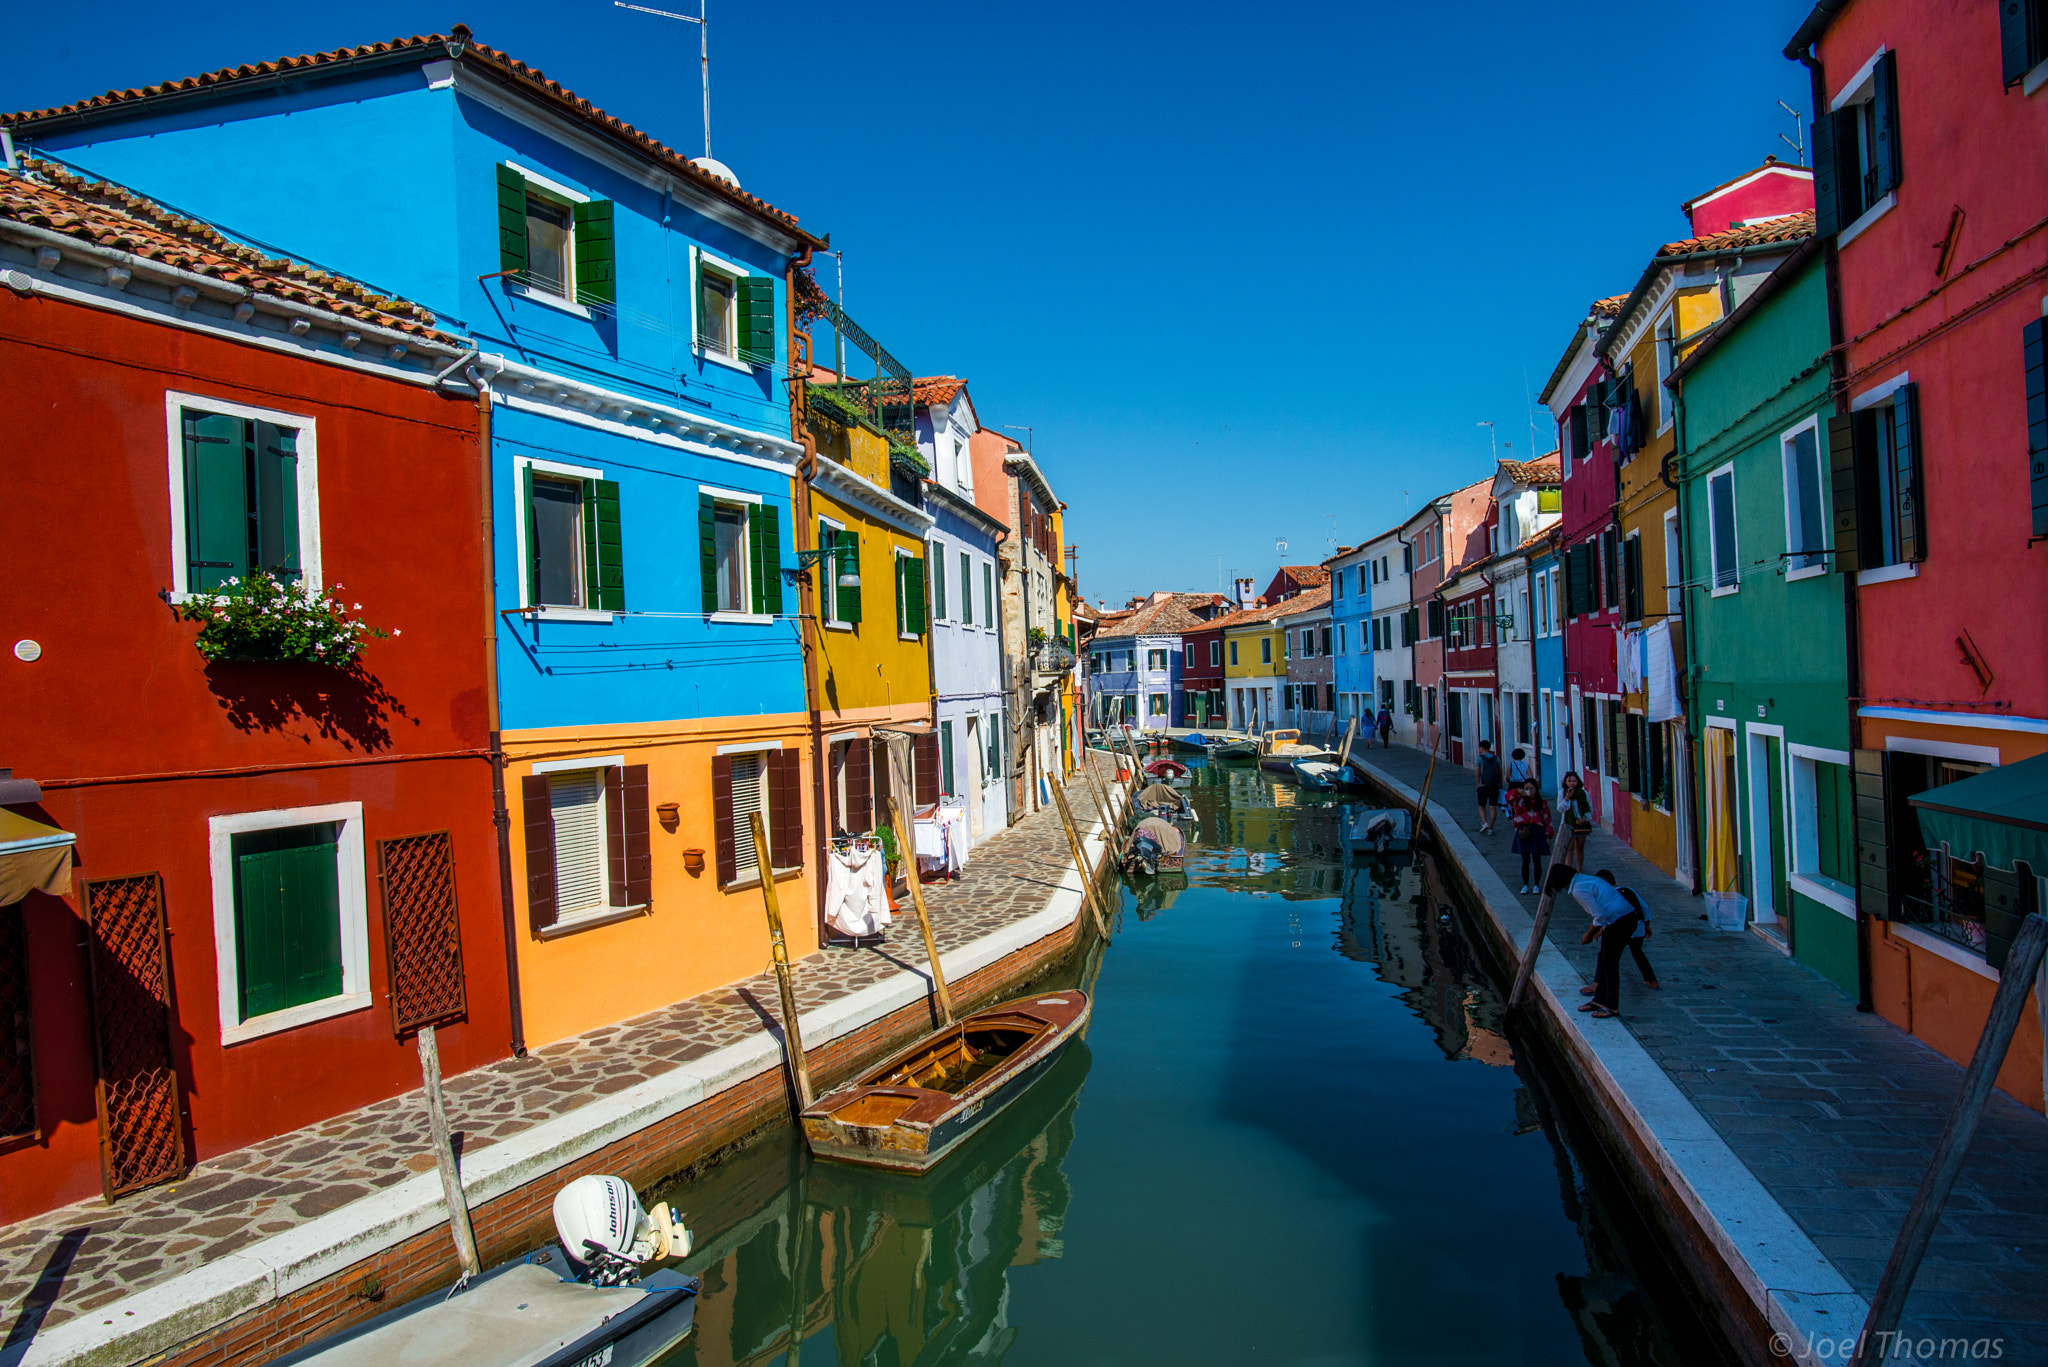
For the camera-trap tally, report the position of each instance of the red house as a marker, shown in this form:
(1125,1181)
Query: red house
(278,870)
(1930,133)
(1471,681)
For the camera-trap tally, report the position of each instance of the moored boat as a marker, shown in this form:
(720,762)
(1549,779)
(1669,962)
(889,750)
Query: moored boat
(1157,799)
(1155,843)
(1234,749)
(1166,768)
(909,1112)
(1192,740)
(1280,750)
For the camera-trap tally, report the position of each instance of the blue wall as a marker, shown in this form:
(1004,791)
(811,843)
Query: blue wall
(1354,611)
(1550,675)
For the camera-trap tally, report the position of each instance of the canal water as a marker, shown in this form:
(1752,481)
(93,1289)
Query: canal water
(1296,1133)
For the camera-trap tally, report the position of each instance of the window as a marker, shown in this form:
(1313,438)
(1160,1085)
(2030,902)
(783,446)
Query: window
(1632,578)
(1233,652)
(1856,147)
(910,609)
(966,590)
(739,548)
(1822,846)
(1589,734)
(1216,654)
(938,564)
(1308,642)
(1806,529)
(555,241)
(1610,570)
(1155,704)
(1546,720)
(588,856)
(1188,656)
(1543,604)
(735,312)
(2034,347)
(1342,645)
(1875,467)
(1326,638)
(1407,558)
(291,925)
(947,787)
(572,540)
(744,782)
(245,495)
(988,593)
(1667,348)
(838,605)
(1265,650)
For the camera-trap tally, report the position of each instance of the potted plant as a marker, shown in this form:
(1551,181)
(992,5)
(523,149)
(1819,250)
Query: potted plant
(260,618)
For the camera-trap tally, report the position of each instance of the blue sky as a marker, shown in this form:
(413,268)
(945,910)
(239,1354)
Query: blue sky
(1240,268)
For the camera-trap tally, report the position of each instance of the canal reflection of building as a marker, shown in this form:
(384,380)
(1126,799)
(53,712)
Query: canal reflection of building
(1396,915)
(897,1268)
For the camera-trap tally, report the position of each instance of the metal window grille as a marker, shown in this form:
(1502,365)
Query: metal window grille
(422,934)
(141,1110)
(17,1054)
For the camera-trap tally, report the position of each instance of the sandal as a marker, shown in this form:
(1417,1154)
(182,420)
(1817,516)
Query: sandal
(1601,1013)
(1592,1006)
(1588,990)
(1653,984)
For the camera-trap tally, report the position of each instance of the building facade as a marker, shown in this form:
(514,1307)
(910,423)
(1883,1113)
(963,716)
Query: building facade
(1309,701)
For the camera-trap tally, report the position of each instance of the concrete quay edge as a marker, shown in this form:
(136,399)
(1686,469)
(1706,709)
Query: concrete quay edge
(1796,1290)
(160,1318)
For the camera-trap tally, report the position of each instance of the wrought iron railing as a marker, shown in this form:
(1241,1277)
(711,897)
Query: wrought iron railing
(1944,896)
(1052,657)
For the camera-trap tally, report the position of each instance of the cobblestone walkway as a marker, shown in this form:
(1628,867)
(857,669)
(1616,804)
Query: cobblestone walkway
(81,1257)
(1834,1110)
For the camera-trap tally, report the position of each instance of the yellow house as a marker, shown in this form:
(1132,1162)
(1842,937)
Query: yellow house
(1254,666)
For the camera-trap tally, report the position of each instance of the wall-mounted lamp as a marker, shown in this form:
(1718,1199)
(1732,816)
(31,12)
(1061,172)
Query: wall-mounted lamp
(849,573)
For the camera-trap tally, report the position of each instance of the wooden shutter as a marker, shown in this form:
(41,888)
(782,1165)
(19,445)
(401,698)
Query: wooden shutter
(913,595)
(924,760)
(604,573)
(422,932)
(615,835)
(784,777)
(754,297)
(287,920)
(277,500)
(847,602)
(2007,898)
(596,268)
(937,560)
(1884,155)
(1632,726)
(2035,339)
(757,546)
(2017,39)
(511,220)
(768,536)
(860,805)
(707,550)
(1436,618)
(1632,579)
(878,771)
(1579,431)
(17,1038)
(1842,481)
(539,816)
(1911,489)
(216,500)
(725,836)
(137,1093)
(966,589)
(639,840)
(1827,178)
(988,594)
(1874,884)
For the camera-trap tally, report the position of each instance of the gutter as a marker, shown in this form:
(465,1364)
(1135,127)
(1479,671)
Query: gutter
(1810,31)
(501,814)
(1657,266)
(1773,285)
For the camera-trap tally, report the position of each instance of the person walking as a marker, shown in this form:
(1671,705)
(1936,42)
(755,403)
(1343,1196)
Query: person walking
(1488,771)
(1384,723)
(1531,815)
(1614,923)
(1575,814)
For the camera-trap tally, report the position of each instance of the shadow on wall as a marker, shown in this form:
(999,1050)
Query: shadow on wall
(350,705)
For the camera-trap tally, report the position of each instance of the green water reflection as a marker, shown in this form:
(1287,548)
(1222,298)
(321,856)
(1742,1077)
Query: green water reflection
(1297,1133)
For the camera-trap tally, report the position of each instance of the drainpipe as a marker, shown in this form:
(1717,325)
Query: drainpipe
(501,815)
(800,498)
(1693,669)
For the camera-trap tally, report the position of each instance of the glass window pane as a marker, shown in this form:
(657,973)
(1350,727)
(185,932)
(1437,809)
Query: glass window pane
(1811,532)
(547,246)
(714,312)
(731,543)
(557,543)
(1721,506)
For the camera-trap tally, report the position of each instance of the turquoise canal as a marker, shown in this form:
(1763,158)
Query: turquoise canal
(1296,1133)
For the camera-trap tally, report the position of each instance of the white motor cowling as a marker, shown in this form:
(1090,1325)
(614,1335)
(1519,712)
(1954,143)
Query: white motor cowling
(603,1211)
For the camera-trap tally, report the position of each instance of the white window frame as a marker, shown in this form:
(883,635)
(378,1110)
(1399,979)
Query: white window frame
(828,592)
(1718,589)
(1860,89)
(568,198)
(1802,803)
(1674,564)
(353,899)
(1216,654)
(1792,537)
(699,261)
(306,446)
(1664,342)
(732,497)
(902,555)
(521,464)
(568,922)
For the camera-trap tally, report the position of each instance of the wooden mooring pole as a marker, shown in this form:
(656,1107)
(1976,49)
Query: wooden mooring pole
(459,1227)
(792,1039)
(1100,796)
(924,920)
(1527,967)
(1881,1325)
(1089,892)
(1350,734)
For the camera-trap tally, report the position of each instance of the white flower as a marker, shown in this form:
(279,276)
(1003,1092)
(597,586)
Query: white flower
(396,632)
(358,607)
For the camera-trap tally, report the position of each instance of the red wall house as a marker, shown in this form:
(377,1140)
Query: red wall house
(1470,664)
(177,776)
(1931,129)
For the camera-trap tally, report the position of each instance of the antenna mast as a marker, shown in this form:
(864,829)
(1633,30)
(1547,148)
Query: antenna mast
(703,51)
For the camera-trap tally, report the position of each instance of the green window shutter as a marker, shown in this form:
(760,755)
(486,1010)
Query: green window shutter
(938,564)
(1912,503)
(754,297)
(988,573)
(216,500)
(1580,427)
(966,589)
(707,550)
(848,603)
(277,501)
(756,566)
(771,559)
(1827,178)
(596,269)
(2035,339)
(1842,479)
(1884,153)
(532,567)
(604,574)
(1872,778)
(287,919)
(913,573)
(511,220)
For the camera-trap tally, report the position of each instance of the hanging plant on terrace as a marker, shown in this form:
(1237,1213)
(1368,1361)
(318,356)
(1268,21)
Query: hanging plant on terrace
(258,618)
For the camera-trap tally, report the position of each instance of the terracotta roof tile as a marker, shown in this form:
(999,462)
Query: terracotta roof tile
(1790,228)
(936,390)
(118,219)
(1533,471)
(1610,307)
(457,44)
(1306,575)
(1307,601)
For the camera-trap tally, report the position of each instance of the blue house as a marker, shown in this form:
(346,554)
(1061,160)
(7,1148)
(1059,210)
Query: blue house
(1552,700)
(626,310)
(1351,579)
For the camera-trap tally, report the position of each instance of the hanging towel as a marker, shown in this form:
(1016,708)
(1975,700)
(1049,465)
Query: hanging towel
(856,898)
(1659,677)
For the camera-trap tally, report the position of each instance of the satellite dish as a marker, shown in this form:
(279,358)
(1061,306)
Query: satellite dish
(716,168)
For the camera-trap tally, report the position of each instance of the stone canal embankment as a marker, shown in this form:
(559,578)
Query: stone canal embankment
(266,1248)
(1773,1134)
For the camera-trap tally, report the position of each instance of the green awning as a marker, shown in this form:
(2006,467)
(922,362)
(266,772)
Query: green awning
(2001,813)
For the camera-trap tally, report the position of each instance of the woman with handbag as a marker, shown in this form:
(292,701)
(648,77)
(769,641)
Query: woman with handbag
(1575,809)
(1531,815)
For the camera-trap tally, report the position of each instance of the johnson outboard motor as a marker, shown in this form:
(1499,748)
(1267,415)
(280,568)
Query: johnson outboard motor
(608,1236)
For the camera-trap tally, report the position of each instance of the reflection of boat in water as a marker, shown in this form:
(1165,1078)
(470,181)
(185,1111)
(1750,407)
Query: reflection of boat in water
(909,1112)
(1379,830)
(1155,895)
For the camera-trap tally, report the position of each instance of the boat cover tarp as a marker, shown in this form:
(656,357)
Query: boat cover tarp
(1162,832)
(2001,813)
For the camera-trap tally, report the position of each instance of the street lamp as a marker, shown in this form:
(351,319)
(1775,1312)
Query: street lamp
(849,573)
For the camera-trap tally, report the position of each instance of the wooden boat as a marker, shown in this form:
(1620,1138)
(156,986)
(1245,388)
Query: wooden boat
(1159,800)
(1193,740)
(1326,776)
(1281,750)
(1234,749)
(1154,844)
(1166,768)
(1380,831)
(911,1111)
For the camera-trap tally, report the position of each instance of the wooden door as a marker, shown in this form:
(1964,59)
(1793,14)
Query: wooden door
(140,1104)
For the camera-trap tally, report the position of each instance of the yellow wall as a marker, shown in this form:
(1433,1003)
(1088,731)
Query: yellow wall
(1249,664)
(869,664)
(694,936)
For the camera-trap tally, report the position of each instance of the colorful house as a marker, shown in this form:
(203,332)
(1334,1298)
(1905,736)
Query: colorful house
(232,899)
(1309,700)
(1037,617)
(1471,677)
(1201,671)
(1925,124)
(1390,558)
(1774,790)
(1442,534)
(1352,573)
(1254,666)
(1524,507)
(650,701)
(1547,657)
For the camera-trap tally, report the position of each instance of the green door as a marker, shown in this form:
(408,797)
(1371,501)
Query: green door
(287,918)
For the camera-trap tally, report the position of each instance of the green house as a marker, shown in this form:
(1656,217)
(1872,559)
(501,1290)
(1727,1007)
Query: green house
(1767,688)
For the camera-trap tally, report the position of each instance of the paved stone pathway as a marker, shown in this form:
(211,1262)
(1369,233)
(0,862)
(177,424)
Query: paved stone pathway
(1834,1110)
(84,1256)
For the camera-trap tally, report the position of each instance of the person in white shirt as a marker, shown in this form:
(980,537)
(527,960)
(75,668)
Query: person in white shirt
(1614,922)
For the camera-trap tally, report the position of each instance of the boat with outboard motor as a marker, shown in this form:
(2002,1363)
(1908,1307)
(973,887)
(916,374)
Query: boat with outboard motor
(911,1111)
(604,1303)
(1157,799)
(1192,740)
(1234,748)
(1165,769)
(1326,776)
(1155,843)
(1279,751)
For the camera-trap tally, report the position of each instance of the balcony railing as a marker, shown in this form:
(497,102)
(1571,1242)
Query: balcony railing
(1052,657)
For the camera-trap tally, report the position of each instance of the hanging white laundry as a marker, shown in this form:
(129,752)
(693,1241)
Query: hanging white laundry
(953,822)
(1628,660)
(855,900)
(1660,678)
(931,844)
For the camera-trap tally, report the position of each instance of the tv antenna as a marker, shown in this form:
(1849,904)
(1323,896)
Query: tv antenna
(1491,439)
(1799,127)
(703,51)
(1280,546)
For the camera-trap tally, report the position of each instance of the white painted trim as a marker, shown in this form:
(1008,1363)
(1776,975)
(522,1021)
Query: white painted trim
(353,897)
(1881,392)
(1932,717)
(1820,753)
(553,612)
(582,419)
(561,614)
(1726,723)
(1942,749)
(307,446)
(2034,79)
(699,259)
(749,747)
(1787,487)
(1735,515)
(1887,574)
(440,75)
(1830,894)
(1794,576)
(1853,89)
(1869,216)
(547,186)
(570,766)
(842,737)
(728,495)
(742,618)
(548,298)
(1943,949)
